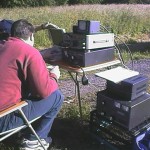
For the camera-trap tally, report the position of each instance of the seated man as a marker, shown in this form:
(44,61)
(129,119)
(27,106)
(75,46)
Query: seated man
(24,76)
(50,54)
(5,28)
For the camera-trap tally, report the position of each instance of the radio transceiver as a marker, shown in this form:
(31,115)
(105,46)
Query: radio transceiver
(92,41)
(128,114)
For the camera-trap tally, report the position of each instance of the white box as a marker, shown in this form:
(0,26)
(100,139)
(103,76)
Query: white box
(101,40)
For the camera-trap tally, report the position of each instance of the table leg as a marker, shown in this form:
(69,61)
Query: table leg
(76,81)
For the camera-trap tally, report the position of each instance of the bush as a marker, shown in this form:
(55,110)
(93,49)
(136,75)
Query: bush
(115,1)
(134,1)
(61,2)
(72,2)
(36,3)
(26,3)
(96,1)
(139,1)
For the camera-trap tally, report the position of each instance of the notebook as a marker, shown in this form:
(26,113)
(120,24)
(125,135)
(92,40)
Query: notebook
(117,74)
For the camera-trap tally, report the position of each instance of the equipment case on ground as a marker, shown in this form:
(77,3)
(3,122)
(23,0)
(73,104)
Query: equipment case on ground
(114,136)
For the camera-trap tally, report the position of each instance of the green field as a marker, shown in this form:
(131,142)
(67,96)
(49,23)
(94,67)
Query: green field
(131,23)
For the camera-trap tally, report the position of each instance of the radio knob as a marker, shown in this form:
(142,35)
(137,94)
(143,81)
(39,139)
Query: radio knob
(110,118)
(72,57)
(102,113)
(103,103)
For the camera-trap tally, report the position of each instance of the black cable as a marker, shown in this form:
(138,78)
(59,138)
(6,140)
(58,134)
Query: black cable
(119,50)
(131,56)
(85,80)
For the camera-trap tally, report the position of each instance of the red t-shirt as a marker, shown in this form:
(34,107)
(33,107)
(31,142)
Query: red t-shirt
(22,71)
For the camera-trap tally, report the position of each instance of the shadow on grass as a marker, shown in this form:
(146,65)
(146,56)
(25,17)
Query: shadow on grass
(138,47)
(72,135)
(66,134)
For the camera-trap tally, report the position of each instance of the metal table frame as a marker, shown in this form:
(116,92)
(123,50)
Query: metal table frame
(78,70)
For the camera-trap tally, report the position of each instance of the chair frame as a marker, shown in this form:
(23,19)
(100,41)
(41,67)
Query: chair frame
(18,107)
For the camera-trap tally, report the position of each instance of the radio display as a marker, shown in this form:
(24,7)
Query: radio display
(82,25)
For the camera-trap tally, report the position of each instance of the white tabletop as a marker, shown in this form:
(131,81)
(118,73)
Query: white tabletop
(70,68)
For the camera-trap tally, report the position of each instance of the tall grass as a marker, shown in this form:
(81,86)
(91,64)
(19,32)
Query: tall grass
(128,20)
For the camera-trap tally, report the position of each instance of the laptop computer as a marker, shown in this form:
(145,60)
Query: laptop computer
(56,35)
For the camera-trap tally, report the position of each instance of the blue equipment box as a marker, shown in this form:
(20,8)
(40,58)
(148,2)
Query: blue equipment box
(128,89)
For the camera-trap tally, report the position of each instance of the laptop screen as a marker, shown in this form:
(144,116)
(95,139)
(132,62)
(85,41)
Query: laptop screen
(56,35)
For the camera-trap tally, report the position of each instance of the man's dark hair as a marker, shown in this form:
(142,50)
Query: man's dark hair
(22,29)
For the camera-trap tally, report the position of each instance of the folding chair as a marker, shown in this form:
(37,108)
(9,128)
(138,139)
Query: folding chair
(18,107)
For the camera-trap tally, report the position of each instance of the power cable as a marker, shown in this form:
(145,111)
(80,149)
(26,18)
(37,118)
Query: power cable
(119,50)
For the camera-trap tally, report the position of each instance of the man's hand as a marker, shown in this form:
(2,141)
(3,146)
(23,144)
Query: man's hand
(55,70)
(48,25)
(45,25)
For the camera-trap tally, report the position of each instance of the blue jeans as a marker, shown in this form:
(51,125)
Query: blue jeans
(47,108)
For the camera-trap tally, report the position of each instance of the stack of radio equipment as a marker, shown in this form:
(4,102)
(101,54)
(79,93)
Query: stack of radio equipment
(122,111)
(87,46)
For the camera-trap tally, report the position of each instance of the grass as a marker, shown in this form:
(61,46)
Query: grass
(131,22)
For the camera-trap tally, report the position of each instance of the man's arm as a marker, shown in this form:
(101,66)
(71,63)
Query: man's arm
(44,26)
(41,27)
(41,81)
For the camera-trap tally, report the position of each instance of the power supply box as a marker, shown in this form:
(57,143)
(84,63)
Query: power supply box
(128,114)
(88,58)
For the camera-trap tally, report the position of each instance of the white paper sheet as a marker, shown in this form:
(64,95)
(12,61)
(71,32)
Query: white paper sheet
(117,74)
